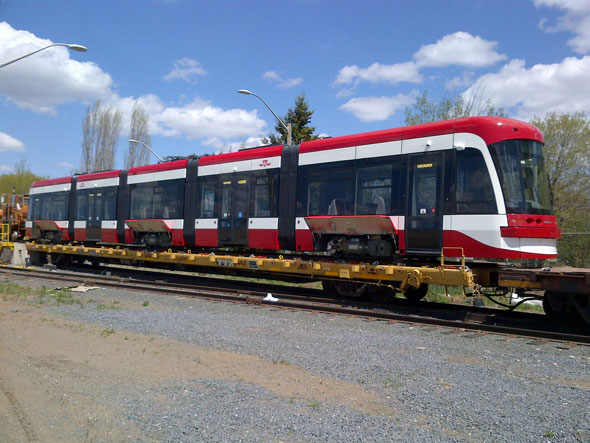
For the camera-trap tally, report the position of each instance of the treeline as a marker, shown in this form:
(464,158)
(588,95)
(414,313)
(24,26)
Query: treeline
(20,180)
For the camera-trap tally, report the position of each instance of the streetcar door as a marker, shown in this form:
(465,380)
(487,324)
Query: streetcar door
(233,219)
(423,226)
(93,222)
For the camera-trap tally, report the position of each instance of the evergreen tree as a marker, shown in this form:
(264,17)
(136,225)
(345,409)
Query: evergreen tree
(300,119)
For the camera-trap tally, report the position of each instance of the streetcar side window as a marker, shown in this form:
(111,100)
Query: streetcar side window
(81,205)
(374,190)
(331,191)
(208,199)
(399,185)
(110,204)
(162,200)
(97,204)
(54,206)
(262,192)
(474,191)
(140,201)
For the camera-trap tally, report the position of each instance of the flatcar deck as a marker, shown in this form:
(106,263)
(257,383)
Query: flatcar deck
(570,280)
(400,276)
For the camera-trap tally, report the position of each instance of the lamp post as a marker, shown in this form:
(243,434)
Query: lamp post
(79,48)
(287,126)
(131,140)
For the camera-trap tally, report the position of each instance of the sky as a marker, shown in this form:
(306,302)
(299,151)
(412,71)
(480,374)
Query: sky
(359,63)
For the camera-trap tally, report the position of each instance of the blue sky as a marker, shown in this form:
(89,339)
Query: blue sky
(358,62)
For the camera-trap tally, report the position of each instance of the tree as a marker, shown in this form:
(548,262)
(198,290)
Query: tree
(100,132)
(300,118)
(457,106)
(567,160)
(137,154)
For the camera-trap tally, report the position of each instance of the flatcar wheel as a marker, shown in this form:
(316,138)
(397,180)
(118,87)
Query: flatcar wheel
(414,295)
(381,294)
(560,308)
(61,259)
(344,288)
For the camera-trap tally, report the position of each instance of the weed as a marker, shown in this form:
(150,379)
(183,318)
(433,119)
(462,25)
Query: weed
(314,404)
(107,332)
(549,434)
(392,383)
(146,303)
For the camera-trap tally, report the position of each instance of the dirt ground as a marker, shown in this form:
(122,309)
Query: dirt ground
(57,376)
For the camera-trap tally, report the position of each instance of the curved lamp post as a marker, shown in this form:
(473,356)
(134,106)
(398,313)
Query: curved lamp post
(286,126)
(79,48)
(131,140)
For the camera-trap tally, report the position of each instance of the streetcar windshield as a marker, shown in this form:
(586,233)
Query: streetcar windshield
(523,176)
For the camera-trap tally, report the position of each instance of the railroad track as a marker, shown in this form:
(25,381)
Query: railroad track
(454,317)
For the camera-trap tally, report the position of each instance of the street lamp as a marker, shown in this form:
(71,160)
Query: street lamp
(286,126)
(131,140)
(79,48)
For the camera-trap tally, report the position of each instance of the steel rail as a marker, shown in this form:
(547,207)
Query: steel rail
(474,319)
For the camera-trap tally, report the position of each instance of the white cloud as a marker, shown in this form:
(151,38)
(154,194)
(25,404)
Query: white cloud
(196,120)
(465,80)
(376,73)
(560,87)
(200,120)
(49,78)
(576,20)
(8,143)
(461,49)
(5,168)
(186,69)
(371,109)
(222,146)
(275,77)
(64,165)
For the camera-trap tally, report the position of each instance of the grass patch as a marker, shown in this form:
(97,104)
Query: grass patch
(436,294)
(104,306)
(43,295)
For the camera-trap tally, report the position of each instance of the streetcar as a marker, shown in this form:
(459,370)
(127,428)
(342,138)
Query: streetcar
(474,187)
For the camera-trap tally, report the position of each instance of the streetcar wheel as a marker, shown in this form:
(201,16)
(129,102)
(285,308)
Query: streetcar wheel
(414,295)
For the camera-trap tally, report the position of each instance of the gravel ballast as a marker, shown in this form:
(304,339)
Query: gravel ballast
(436,384)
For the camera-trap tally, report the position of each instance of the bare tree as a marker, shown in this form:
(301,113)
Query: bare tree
(137,154)
(100,132)
(426,110)
(89,132)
